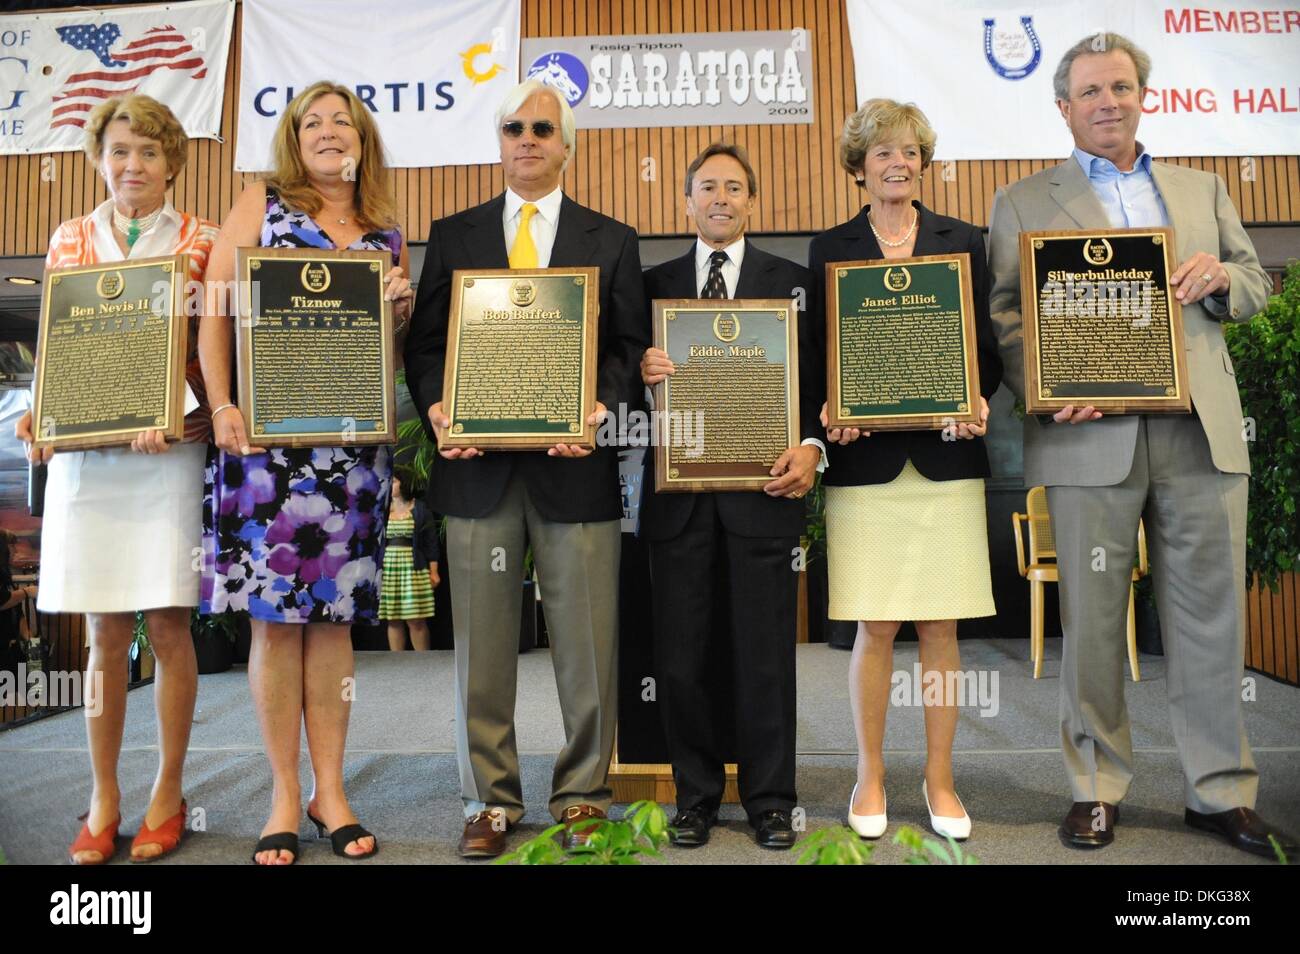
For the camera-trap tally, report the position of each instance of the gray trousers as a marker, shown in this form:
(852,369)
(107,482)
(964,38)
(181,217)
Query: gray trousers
(1196,534)
(577,570)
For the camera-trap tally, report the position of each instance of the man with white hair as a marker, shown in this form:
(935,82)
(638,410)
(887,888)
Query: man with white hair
(564,501)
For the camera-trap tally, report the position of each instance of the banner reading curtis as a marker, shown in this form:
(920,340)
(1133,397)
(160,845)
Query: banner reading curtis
(679,79)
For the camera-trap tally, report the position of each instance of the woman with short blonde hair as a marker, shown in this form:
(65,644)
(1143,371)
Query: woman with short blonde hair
(121,525)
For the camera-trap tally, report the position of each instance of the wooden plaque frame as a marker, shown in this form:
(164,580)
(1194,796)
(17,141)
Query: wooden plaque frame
(665,479)
(837,415)
(585,434)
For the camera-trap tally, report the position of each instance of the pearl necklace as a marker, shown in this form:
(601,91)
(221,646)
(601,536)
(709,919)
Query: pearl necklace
(903,241)
(134,228)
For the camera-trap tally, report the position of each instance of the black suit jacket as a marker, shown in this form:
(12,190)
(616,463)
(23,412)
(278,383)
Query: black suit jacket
(881,457)
(562,489)
(744,513)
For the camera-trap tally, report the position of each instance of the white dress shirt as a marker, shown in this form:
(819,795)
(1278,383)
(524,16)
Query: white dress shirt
(159,240)
(542,226)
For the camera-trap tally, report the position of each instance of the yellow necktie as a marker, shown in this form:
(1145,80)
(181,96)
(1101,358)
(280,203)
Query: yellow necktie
(524,253)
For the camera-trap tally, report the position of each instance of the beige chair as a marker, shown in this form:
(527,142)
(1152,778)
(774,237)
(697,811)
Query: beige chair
(1041,569)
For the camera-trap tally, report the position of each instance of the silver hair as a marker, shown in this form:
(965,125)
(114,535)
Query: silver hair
(1099,43)
(520,94)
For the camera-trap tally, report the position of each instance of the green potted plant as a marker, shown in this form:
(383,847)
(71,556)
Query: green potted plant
(214,640)
(1266,355)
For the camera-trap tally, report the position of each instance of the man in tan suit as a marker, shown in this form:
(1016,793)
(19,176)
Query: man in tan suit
(1186,475)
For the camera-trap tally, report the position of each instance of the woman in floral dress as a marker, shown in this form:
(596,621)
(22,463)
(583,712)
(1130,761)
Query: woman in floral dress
(294,536)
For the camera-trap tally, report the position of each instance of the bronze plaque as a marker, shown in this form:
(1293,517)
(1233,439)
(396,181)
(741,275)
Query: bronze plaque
(110,357)
(521,358)
(1101,325)
(731,407)
(316,365)
(900,344)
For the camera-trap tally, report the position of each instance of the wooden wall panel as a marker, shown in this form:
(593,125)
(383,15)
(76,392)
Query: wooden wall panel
(635,175)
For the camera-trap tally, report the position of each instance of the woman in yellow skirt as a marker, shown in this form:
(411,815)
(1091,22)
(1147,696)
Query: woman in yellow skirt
(410,566)
(905,517)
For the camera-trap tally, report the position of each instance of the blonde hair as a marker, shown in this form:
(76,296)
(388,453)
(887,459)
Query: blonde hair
(375,206)
(881,120)
(147,117)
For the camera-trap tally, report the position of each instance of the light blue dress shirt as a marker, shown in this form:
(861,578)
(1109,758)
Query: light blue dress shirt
(1131,199)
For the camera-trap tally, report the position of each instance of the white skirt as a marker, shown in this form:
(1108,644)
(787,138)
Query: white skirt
(122,530)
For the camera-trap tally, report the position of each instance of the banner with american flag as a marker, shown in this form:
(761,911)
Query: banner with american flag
(57,67)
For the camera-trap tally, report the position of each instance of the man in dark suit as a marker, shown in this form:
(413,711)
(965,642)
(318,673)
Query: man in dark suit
(755,535)
(563,502)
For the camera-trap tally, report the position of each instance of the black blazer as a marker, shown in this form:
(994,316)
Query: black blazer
(881,457)
(424,538)
(562,489)
(744,513)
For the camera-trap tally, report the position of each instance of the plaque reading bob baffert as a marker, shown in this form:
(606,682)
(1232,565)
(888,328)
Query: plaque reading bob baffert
(521,358)
(316,362)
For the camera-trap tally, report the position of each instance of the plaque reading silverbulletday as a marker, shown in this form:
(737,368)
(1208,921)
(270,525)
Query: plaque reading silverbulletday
(731,407)
(900,343)
(111,353)
(315,347)
(1101,327)
(521,358)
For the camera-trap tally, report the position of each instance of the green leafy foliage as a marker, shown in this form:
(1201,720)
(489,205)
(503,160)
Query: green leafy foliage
(1266,355)
(641,833)
(838,845)
(927,851)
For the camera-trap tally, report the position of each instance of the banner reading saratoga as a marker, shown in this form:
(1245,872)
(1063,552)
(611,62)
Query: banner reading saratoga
(432,73)
(1225,75)
(56,67)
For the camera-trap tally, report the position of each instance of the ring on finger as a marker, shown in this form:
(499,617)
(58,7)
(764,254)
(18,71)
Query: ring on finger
(1207,278)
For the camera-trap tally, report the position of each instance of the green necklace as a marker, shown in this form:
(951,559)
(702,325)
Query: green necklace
(134,228)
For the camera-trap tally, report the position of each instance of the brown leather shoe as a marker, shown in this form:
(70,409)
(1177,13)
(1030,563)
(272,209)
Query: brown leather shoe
(1086,827)
(575,814)
(485,834)
(1243,829)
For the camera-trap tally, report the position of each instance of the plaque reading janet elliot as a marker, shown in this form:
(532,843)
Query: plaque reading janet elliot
(731,407)
(316,364)
(521,358)
(1101,327)
(900,343)
(111,353)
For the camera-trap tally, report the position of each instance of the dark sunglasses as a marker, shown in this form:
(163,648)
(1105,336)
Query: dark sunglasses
(542,128)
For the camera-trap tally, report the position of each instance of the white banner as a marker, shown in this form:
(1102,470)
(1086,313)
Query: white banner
(1225,74)
(56,67)
(432,73)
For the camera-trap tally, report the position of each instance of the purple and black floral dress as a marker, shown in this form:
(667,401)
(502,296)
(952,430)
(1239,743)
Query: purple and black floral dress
(295,535)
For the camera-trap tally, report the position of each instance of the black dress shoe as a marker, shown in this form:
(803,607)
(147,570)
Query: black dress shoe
(772,829)
(691,827)
(1086,827)
(1243,829)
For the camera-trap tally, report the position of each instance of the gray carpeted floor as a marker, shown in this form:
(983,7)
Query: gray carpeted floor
(403,783)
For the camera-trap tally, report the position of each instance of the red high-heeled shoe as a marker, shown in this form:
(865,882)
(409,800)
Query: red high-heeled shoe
(168,835)
(105,842)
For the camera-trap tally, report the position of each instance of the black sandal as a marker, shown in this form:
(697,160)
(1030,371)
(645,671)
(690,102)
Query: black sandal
(280,841)
(343,836)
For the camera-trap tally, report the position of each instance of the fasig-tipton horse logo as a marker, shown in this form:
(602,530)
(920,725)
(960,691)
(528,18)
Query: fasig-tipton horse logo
(564,72)
(1013,54)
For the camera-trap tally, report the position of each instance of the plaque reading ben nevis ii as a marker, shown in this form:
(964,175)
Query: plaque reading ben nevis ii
(1101,326)
(110,356)
(316,365)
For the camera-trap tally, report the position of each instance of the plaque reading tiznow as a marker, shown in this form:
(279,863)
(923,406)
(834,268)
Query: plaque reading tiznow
(521,358)
(901,352)
(1101,326)
(731,407)
(111,354)
(316,365)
